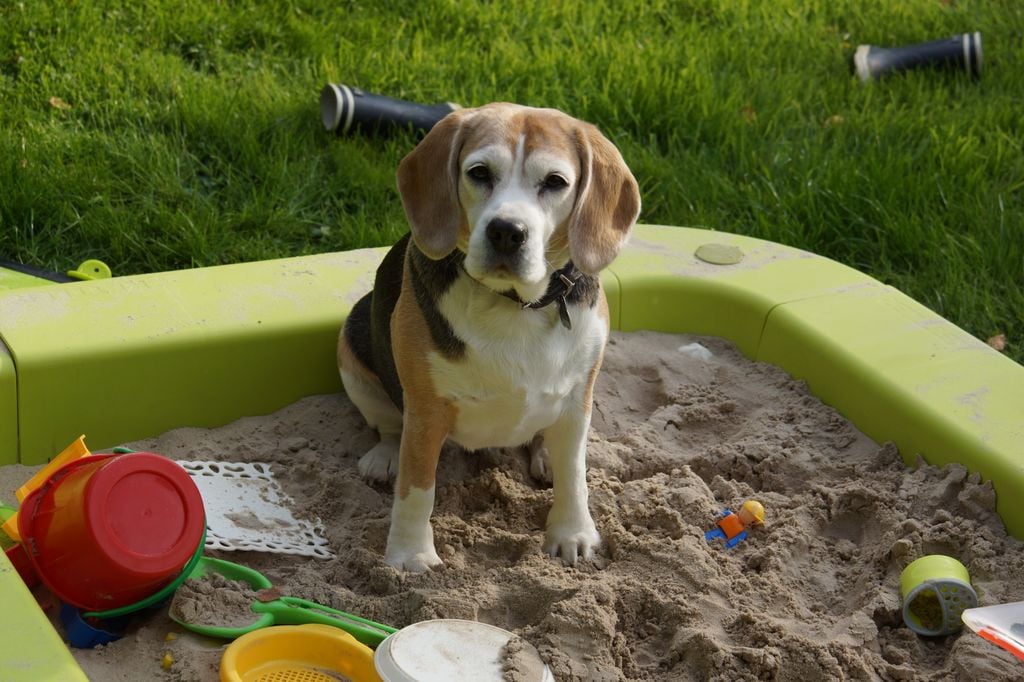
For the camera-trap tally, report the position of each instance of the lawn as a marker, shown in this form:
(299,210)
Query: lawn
(164,135)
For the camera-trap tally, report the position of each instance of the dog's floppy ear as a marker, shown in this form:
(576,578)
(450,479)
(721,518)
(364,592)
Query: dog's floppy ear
(607,203)
(428,183)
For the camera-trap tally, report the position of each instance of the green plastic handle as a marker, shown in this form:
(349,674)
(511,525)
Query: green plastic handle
(280,611)
(295,611)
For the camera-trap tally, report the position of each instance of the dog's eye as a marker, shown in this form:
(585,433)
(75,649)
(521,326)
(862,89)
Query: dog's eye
(554,183)
(480,174)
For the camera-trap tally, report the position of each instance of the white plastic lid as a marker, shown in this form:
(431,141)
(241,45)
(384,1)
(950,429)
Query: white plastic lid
(449,650)
(1002,625)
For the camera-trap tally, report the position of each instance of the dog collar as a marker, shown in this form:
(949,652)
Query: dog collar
(561,285)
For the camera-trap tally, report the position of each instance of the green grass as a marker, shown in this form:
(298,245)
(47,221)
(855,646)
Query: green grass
(191,134)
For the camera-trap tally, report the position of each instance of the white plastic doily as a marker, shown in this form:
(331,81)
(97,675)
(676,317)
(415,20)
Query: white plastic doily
(246,509)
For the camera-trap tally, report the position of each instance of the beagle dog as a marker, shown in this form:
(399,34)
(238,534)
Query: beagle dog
(487,324)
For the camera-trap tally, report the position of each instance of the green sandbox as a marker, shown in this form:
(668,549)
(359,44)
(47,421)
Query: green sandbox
(131,357)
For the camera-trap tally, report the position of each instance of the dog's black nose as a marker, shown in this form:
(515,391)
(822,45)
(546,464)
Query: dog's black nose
(505,236)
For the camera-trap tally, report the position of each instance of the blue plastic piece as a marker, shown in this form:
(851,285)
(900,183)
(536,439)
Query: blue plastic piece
(86,634)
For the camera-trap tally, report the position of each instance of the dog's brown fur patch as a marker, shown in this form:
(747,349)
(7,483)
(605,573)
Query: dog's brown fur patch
(428,417)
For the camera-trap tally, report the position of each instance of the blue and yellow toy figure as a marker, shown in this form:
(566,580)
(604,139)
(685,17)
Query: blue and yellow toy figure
(732,526)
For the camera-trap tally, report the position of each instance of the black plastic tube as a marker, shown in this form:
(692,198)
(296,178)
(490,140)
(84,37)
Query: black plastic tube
(961,52)
(345,109)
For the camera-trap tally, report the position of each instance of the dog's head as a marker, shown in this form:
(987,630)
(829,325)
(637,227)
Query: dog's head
(520,191)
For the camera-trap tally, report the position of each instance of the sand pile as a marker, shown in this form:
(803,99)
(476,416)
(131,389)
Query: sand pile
(812,595)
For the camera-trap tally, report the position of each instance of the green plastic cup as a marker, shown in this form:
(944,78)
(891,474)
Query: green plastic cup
(5,513)
(935,590)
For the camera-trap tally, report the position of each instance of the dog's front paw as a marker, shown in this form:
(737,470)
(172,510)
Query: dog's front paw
(411,546)
(413,562)
(572,541)
(380,463)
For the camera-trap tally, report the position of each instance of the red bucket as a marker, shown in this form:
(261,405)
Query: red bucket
(106,531)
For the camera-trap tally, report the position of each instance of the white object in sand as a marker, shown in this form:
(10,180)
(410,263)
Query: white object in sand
(696,350)
(1003,625)
(246,509)
(453,649)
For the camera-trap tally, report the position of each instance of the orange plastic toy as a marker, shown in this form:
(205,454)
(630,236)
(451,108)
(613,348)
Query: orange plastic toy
(732,526)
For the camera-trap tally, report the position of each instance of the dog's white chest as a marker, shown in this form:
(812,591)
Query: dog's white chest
(521,369)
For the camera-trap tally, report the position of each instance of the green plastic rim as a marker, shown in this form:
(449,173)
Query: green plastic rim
(207,565)
(187,341)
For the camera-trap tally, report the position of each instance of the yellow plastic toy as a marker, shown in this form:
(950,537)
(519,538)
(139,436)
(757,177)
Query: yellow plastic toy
(91,269)
(311,653)
(936,589)
(72,452)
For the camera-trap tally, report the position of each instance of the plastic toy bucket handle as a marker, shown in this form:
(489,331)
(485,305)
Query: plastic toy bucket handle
(295,611)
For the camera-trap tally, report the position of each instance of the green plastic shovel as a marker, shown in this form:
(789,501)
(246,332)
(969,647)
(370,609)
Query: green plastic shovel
(277,611)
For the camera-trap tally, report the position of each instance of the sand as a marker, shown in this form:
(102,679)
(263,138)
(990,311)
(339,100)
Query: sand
(811,595)
(216,601)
